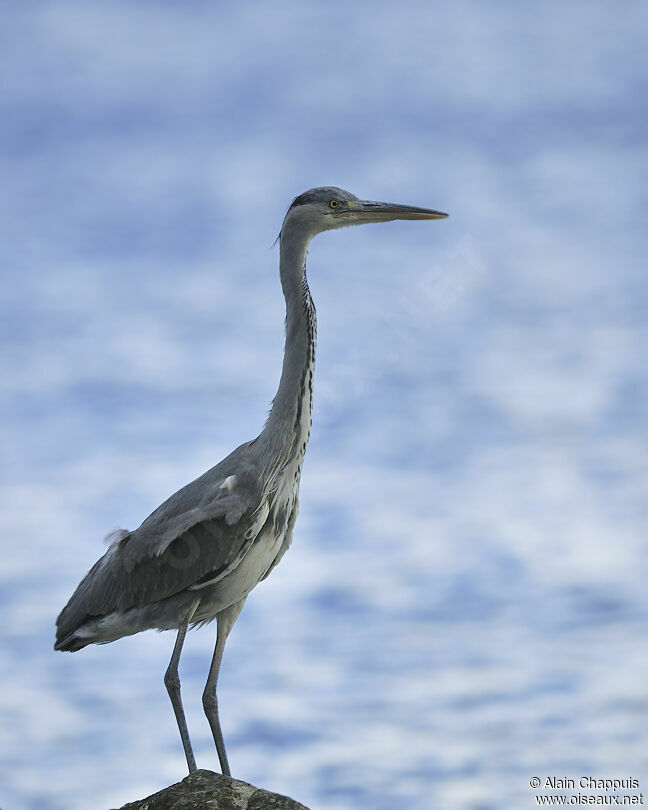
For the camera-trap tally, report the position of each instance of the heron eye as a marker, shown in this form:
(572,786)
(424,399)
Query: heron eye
(334,204)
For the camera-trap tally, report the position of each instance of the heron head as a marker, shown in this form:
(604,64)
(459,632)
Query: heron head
(328,207)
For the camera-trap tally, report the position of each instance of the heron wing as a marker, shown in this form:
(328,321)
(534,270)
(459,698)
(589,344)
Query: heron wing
(199,534)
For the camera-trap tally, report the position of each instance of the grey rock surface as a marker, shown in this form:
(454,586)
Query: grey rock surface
(205,790)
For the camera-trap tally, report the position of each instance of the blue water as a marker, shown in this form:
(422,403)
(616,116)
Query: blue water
(464,606)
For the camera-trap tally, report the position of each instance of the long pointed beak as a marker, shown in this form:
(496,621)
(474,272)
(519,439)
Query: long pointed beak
(367,211)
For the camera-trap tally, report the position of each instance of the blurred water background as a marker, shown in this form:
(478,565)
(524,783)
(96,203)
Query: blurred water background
(465,603)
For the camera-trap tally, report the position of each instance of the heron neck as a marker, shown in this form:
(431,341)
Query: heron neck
(288,427)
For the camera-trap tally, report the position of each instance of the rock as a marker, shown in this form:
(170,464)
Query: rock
(206,790)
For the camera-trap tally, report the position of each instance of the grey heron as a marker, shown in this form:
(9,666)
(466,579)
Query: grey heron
(199,554)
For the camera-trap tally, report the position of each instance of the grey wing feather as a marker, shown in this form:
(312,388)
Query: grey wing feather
(200,533)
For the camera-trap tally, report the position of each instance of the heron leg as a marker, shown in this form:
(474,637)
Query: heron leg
(172,683)
(225,621)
